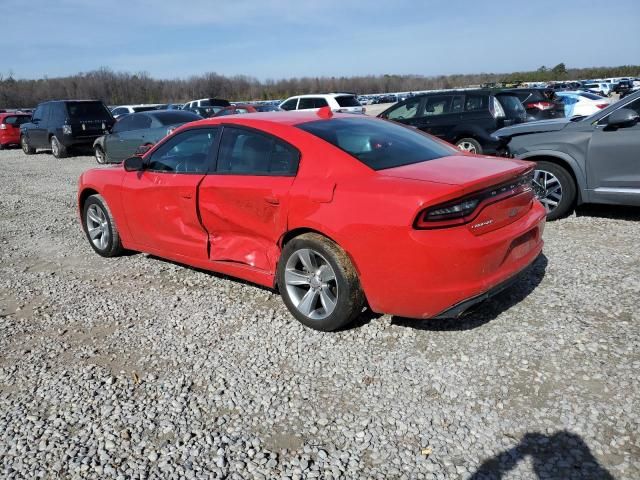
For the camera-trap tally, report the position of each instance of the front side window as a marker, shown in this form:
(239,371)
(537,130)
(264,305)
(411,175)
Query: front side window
(37,115)
(246,152)
(187,152)
(437,106)
(405,111)
(377,143)
(290,104)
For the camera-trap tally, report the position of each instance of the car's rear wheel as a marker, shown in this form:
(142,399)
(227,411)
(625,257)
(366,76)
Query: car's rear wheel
(100,227)
(26,148)
(99,154)
(470,145)
(1,146)
(318,283)
(58,150)
(555,189)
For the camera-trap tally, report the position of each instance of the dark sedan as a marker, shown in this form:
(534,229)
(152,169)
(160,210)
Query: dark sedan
(139,129)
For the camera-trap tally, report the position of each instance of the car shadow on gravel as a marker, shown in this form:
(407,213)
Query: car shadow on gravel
(616,212)
(489,309)
(561,456)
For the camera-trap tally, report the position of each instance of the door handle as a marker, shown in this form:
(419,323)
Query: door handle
(272,200)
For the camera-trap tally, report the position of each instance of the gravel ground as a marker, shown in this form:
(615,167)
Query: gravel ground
(135,367)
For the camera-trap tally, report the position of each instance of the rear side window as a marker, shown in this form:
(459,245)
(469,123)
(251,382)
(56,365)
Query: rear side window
(476,103)
(140,122)
(347,101)
(377,143)
(87,111)
(245,152)
(313,102)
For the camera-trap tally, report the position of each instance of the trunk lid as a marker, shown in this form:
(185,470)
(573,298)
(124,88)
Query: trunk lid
(469,172)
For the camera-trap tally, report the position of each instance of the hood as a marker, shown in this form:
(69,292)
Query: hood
(533,127)
(471,172)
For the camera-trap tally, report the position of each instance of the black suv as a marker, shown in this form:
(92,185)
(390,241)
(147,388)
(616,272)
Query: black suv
(466,118)
(60,125)
(540,103)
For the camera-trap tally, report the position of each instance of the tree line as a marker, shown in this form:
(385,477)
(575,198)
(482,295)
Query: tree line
(115,88)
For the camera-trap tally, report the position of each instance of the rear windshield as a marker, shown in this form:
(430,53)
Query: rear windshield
(88,111)
(590,96)
(378,144)
(144,109)
(348,101)
(16,120)
(511,104)
(214,102)
(170,117)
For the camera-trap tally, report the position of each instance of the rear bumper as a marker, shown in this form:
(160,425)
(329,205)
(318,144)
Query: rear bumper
(79,140)
(443,272)
(460,308)
(9,139)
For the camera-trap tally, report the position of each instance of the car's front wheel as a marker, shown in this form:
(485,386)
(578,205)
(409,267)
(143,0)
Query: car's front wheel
(318,283)
(99,154)
(100,227)
(470,145)
(555,188)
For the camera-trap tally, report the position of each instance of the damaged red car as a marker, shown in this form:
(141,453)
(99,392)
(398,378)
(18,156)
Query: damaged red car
(338,212)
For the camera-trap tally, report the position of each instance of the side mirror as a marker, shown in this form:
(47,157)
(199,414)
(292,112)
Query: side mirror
(623,117)
(134,164)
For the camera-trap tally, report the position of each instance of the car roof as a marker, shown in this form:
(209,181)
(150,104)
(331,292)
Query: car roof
(308,95)
(292,118)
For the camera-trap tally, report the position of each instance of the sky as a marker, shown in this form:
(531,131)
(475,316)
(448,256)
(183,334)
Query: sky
(288,38)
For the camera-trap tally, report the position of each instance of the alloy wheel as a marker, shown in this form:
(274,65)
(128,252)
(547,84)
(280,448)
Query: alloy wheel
(100,157)
(547,188)
(467,147)
(24,145)
(54,147)
(311,284)
(98,227)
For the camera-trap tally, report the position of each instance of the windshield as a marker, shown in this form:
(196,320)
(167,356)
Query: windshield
(88,111)
(378,144)
(171,117)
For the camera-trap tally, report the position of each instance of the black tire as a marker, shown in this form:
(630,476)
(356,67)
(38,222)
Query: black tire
(349,298)
(57,148)
(473,144)
(568,190)
(26,148)
(112,245)
(1,146)
(99,154)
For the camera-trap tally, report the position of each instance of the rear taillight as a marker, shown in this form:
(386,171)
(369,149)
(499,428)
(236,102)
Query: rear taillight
(66,129)
(464,210)
(602,105)
(540,105)
(3,126)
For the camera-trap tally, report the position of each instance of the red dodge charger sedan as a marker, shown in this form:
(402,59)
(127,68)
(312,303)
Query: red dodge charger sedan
(337,212)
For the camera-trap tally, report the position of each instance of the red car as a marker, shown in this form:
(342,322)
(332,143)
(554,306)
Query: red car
(337,211)
(10,128)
